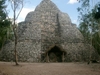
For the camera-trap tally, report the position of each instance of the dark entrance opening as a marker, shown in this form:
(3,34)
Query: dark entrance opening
(55,54)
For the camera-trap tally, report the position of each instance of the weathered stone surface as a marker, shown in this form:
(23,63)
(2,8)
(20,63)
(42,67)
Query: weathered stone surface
(44,29)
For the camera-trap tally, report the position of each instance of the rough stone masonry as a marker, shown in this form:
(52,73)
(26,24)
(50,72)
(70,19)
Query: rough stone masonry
(48,35)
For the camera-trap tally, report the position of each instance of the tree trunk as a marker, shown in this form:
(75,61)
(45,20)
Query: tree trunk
(99,29)
(47,58)
(63,57)
(15,48)
(16,58)
(15,34)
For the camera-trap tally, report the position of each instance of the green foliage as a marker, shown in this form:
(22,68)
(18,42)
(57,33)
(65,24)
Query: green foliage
(96,42)
(96,14)
(4,24)
(2,13)
(89,25)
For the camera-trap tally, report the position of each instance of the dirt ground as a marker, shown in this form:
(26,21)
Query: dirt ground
(8,68)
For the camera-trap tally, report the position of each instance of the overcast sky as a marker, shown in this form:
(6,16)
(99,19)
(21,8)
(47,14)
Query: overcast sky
(67,6)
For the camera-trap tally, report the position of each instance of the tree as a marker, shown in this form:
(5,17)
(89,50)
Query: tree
(97,12)
(16,5)
(96,15)
(89,25)
(4,24)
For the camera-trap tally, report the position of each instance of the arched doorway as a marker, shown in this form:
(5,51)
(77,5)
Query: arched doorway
(55,54)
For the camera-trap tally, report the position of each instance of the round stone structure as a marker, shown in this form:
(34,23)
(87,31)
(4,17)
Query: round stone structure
(48,35)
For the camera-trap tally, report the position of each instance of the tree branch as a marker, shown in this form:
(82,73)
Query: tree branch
(11,1)
(19,11)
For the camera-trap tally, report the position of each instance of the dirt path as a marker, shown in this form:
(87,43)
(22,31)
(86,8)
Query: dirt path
(49,69)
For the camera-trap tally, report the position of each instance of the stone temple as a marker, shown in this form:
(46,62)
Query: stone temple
(48,35)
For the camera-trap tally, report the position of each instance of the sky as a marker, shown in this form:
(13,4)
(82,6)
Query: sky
(67,6)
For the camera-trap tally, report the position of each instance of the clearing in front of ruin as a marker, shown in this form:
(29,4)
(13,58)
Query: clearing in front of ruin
(8,68)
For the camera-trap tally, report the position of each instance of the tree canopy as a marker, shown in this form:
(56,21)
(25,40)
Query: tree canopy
(90,22)
(4,23)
